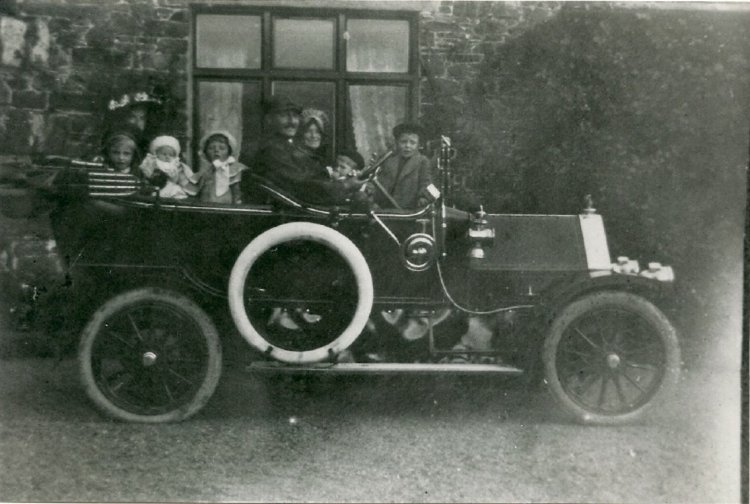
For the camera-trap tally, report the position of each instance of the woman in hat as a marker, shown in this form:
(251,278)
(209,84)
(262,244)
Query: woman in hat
(313,134)
(142,112)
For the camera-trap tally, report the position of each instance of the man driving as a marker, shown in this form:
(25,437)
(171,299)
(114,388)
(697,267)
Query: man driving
(291,168)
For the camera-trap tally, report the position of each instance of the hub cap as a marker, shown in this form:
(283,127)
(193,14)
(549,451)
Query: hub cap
(613,361)
(149,359)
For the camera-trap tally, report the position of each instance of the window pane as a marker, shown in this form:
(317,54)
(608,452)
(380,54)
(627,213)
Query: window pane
(377,45)
(228,41)
(303,43)
(318,95)
(374,112)
(231,106)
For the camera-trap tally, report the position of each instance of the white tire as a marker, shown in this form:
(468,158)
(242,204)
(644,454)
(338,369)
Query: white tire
(301,231)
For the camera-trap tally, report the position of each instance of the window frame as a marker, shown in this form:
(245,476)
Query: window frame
(339,76)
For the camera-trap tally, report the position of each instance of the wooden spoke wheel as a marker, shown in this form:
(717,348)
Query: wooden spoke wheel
(609,357)
(150,355)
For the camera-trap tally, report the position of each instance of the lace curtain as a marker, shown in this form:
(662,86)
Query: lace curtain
(376,46)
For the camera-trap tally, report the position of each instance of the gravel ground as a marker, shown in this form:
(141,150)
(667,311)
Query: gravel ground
(364,439)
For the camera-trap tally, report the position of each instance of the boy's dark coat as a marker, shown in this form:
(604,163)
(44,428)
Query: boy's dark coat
(407,186)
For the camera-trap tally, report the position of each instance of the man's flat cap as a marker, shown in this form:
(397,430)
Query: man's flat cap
(280,103)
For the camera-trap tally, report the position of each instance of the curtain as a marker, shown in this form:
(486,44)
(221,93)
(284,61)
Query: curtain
(375,111)
(220,108)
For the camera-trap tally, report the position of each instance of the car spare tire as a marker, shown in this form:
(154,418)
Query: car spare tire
(300,293)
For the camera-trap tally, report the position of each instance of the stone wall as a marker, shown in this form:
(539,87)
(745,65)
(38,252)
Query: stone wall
(62,61)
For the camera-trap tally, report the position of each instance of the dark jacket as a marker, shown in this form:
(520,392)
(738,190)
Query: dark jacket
(406,180)
(296,171)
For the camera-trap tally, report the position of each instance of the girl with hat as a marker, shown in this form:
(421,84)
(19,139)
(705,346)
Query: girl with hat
(220,180)
(163,167)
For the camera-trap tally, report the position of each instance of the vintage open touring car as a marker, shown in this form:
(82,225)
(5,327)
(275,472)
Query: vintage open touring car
(314,288)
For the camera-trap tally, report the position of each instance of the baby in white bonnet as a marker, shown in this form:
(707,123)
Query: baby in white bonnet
(164,158)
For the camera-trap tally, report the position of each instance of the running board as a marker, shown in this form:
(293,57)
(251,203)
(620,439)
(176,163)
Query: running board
(383,368)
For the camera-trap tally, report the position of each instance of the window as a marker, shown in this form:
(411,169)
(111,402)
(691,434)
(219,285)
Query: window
(376,45)
(303,43)
(357,66)
(217,50)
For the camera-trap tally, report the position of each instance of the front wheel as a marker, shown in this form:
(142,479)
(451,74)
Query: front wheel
(150,355)
(609,356)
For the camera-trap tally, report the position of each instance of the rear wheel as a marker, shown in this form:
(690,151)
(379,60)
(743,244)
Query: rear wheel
(609,357)
(150,355)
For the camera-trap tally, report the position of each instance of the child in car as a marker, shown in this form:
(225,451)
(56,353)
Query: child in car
(220,179)
(348,164)
(407,174)
(162,166)
(120,152)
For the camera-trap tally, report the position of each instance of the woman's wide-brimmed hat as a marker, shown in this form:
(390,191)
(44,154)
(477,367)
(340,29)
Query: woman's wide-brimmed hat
(128,100)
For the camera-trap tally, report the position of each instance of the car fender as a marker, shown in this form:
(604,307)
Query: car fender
(564,292)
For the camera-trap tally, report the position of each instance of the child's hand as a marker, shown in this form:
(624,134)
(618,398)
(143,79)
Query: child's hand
(352,183)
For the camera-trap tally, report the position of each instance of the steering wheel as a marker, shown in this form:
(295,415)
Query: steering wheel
(371,171)
(369,174)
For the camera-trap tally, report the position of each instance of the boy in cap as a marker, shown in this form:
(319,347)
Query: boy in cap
(405,175)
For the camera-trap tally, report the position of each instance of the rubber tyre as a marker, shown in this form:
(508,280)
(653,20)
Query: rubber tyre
(301,231)
(662,333)
(184,307)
